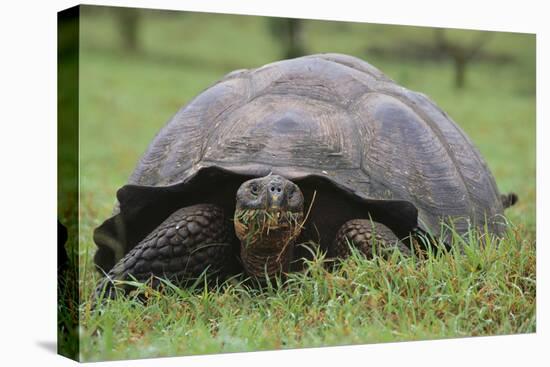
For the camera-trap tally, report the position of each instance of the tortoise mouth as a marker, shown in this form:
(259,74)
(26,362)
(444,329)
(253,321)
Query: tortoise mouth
(267,228)
(267,238)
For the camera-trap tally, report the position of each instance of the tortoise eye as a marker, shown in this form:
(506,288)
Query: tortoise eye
(254,189)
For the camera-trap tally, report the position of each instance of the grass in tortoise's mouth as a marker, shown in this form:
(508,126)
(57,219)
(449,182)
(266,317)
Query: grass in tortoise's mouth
(255,225)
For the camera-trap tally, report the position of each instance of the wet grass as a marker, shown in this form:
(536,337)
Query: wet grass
(488,288)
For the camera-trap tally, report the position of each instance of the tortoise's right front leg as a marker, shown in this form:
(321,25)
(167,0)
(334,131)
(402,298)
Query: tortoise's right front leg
(191,240)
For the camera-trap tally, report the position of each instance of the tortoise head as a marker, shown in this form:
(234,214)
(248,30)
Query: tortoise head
(268,218)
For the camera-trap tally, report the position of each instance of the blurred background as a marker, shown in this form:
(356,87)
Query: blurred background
(138,67)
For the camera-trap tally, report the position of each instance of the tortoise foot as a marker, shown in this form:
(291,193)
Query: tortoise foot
(368,237)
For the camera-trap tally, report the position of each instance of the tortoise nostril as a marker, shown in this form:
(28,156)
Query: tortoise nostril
(275,188)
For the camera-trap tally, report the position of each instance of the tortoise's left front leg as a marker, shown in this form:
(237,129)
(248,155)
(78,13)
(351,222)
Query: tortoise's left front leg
(368,237)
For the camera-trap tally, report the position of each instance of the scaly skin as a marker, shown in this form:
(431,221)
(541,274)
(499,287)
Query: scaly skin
(369,237)
(190,241)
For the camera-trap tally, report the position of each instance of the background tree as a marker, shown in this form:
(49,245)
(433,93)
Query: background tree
(460,53)
(289,32)
(128,20)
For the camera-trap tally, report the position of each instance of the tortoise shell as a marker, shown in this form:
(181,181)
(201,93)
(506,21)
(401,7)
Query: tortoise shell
(333,124)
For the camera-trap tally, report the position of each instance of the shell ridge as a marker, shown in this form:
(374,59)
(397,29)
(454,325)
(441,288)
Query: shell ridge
(433,126)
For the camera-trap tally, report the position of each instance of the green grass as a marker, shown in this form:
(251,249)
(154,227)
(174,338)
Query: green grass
(482,290)
(125,99)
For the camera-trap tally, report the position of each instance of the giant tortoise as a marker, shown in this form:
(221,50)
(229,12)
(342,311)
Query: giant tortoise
(323,149)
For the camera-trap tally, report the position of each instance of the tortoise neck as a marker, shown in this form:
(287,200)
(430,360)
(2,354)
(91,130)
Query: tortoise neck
(259,262)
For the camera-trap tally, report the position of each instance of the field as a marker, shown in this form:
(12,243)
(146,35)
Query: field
(126,98)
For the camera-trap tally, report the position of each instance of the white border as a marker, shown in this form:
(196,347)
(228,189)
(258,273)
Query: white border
(28,156)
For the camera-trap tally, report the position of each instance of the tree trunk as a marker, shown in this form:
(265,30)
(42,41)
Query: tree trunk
(289,33)
(460,72)
(295,46)
(460,54)
(128,24)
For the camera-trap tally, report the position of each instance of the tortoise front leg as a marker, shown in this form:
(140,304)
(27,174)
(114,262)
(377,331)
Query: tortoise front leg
(190,241)
(367,236)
